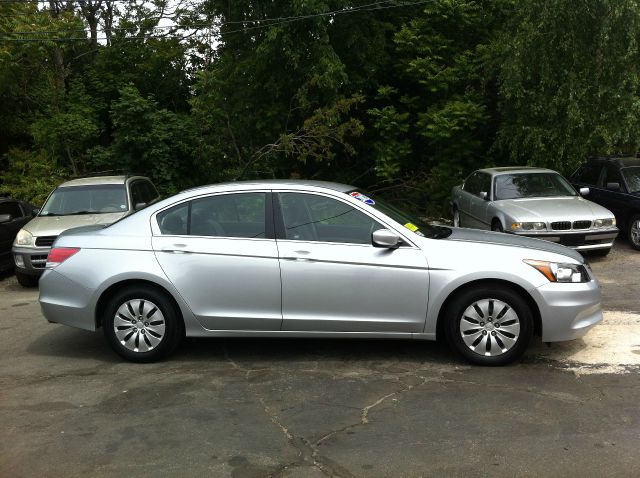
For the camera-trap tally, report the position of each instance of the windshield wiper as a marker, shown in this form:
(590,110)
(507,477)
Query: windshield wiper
(75,213)
(45,214)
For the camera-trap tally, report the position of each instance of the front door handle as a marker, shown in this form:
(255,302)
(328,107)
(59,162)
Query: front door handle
(176,249)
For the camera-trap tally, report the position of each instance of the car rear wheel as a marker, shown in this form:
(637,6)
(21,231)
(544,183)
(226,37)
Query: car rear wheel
(26,280)
(141,324)
(489,325)
(634,231)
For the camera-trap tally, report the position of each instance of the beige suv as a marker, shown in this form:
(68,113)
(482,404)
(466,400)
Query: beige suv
(99,200)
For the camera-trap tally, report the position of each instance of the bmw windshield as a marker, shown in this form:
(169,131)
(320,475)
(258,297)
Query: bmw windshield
(531,185)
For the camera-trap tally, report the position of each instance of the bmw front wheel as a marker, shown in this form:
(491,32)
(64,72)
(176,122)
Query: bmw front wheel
(489,325)
(141,324)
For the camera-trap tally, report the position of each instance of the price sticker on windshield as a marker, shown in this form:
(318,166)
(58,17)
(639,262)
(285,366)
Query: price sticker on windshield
(363,198)
(411,226)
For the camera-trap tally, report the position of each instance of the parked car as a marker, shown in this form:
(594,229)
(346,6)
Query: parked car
(312,259)
(79,202)
(13,215)
(533,202)
(615,184)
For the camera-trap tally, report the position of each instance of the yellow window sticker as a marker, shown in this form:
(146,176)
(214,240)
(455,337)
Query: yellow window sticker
(411,226)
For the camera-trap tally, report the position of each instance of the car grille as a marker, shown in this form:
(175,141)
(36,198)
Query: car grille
(45,241)
(561,225)
(566,225)
(38,262)
(581,224)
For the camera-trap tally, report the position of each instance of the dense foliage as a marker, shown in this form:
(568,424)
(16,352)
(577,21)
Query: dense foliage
(401,97)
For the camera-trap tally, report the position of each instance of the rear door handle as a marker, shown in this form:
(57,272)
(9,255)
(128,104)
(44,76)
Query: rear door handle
(298,257)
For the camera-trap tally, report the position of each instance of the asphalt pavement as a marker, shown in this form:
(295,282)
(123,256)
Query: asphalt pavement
(305,408)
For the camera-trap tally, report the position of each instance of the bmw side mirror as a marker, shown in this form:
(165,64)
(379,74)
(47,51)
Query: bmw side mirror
(385,238)
(484,195)
(139,205)
(35,212)
(613,186)
(5,218)
(584,191)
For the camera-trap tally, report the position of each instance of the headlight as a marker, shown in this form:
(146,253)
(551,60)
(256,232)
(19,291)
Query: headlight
(558,272)
(604,222)
(23,238)
(528,226)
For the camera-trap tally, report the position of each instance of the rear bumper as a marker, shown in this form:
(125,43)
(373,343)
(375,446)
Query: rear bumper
(64,301)
(584,240)
(568,311)
(30,260)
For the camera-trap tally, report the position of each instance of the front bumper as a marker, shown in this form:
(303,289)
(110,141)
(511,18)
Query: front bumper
(568,311)
(30,260)
(580,240)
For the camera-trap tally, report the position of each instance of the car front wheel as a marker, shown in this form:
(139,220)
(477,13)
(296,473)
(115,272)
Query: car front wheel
(141,324)
(634,231)
(489,325)
(456,217)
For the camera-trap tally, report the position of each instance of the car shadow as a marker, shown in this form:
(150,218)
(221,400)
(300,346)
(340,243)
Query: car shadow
(65,342)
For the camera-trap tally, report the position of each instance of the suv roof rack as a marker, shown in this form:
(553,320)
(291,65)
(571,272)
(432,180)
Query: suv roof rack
(108,172)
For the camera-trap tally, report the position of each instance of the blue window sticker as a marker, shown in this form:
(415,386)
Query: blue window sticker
(362,197)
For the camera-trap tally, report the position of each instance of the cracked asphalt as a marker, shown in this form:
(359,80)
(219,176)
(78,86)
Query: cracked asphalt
(314,408)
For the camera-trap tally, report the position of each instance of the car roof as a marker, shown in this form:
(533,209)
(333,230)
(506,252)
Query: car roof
(515,169)
(275,184)
(621,161)
(96,180)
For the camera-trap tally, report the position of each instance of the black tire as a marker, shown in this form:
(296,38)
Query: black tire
(633,231)
(496,226)
(496,337)
(26,280)
(150,321)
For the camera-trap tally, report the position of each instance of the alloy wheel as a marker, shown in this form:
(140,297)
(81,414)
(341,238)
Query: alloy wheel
(490,327)
(634,233)
(139,325)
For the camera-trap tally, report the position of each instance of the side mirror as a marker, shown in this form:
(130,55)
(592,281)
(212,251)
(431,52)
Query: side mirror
(613,186)
(139,205)
(584,191)
(35,212)
(484,195)
(5,218)
(385,238)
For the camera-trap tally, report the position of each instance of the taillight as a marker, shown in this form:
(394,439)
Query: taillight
(58,255)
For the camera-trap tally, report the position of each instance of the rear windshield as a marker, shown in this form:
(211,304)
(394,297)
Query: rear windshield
(95,199)
(531,185)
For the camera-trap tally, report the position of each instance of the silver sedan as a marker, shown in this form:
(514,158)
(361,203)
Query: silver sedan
(312,259)
(533,202)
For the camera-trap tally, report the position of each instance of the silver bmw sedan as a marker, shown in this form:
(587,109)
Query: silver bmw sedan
(312,259)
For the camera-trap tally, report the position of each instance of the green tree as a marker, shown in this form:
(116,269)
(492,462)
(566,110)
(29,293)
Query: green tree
(570,82)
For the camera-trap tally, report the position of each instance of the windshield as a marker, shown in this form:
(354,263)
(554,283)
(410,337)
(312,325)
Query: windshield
(95,199)
(409,221)
(531,185)
(632,176)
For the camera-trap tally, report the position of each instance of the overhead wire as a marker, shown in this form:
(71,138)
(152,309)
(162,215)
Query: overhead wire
(381,5)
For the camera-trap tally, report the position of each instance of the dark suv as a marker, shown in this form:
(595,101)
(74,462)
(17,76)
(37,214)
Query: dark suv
(13,215)
(615,184)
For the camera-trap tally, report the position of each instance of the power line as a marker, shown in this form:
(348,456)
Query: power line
(273,22)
